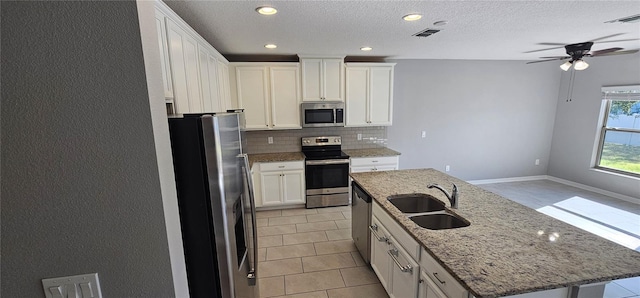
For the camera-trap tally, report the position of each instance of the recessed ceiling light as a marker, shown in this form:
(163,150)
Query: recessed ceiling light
(412,17)
(366,48)
(440,23)
(270,46)
(266,10)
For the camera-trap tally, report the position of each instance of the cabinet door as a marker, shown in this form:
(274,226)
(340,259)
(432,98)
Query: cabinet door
(311,79)
(332,78)
(164,55)
(224,92)
(271,188)
(252,88)
(183,51)
(356,96)
(405,279)
(293,187)
(208,80)
(381,95)
(428,289)
(380,260)
(285,97)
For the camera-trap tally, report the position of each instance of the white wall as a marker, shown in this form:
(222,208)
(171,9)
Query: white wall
(576,126)
(80,180)
(486,119)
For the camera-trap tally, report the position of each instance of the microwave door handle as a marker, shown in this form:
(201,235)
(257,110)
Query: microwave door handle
(334,116)
(252,276)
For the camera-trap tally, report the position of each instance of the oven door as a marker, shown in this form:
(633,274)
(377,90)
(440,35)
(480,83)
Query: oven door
(323,176)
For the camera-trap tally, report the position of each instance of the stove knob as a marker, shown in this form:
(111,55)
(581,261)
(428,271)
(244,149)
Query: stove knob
(336,140)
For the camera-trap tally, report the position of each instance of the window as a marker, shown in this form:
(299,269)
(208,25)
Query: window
(619,146)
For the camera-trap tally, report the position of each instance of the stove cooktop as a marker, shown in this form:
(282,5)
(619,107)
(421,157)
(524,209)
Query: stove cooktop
(319,155)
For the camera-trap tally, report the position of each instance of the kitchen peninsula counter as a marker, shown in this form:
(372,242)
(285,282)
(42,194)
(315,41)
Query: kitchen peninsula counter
(507,249)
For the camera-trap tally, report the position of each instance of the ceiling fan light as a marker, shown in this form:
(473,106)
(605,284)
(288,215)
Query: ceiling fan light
(565,66)
(580,65)
(266,10)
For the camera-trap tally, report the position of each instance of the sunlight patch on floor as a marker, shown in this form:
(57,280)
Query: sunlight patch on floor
(594,217)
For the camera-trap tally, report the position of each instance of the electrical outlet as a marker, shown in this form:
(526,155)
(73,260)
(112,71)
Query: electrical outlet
(424,134)
(537,162)
(270,140)
(359,137)
(447,168)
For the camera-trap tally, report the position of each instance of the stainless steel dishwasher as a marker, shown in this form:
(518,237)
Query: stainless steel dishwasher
(361,220)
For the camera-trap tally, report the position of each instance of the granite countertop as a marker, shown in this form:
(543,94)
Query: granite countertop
(506,250)
(275,157)
(372,152)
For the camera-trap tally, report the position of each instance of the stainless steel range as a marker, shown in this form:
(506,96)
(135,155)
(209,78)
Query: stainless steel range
(326,171)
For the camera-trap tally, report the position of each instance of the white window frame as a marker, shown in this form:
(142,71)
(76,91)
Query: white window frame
(603,128)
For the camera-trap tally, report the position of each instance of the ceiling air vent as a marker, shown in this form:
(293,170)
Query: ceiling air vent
(631,19)
(426,32)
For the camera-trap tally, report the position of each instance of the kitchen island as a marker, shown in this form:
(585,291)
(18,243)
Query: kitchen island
(508,249)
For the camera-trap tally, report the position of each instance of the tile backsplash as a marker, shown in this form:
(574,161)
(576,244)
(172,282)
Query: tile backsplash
(289,140)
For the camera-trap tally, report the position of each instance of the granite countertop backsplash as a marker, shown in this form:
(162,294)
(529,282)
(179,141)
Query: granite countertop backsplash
(507,249)
(372,152)
(275,157)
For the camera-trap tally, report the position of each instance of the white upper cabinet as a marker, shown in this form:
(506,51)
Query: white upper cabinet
(253,95)
(183,52)
(322,79)
(369,94)
(269,93)
(164,56)
(195,75)
(209,81)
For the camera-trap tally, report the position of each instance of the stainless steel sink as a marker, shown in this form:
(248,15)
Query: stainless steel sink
(440,221)
(416,203)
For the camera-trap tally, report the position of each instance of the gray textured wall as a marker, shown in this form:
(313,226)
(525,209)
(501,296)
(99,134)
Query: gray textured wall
(575,133)
(486,119)
(80,188)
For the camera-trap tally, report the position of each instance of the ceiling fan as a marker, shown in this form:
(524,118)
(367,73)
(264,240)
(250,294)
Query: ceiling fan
(577,51)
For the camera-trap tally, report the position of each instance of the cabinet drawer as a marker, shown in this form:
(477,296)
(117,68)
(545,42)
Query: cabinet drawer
(371,161)
(281,166)
(378,168)
(401,236)
(441,277)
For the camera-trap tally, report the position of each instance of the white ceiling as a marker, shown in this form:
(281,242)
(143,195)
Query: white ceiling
(478,30)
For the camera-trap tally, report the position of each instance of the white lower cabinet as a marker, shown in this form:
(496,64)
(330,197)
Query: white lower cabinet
(372,164)
(393,264)
(279,184)
(428,289)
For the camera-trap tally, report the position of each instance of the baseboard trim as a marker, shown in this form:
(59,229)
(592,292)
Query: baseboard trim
(612,194)
(503,180)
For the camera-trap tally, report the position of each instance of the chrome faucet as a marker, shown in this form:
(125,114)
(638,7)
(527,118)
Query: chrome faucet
(453,197)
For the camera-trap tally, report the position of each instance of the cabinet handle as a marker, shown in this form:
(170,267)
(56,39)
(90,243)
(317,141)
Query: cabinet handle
(394,253)
(435,274)
(374,161)
(281,167)
(374,229)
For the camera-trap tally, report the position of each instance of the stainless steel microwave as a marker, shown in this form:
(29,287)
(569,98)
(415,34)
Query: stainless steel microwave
(322,114)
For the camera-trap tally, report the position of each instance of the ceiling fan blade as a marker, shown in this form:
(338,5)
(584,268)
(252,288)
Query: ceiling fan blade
(547,49)
(600,52)
(551,44)
(619,40)
(608,36)
(556,57)
(619,53)
(542,61)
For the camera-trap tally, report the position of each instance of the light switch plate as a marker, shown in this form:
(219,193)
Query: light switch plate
(77,286)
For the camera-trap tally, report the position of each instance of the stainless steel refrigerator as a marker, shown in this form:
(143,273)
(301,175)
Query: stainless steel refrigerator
(215,199)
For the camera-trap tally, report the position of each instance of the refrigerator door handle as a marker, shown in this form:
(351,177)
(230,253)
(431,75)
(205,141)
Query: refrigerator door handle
(252,276)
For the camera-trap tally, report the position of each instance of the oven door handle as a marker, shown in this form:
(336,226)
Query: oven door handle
(326,162)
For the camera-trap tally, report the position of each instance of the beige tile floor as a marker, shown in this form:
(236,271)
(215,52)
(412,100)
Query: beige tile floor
(310,253)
